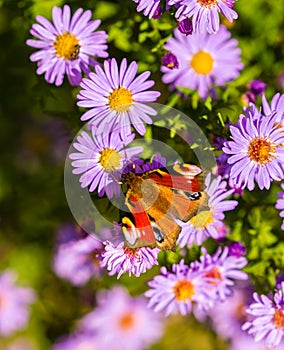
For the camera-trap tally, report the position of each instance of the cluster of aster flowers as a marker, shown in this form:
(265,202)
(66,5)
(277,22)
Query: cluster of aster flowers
(267,318)
(71,45)
(200,61)
(200,55)
(256,152)
(81,257)
(203,15)
(201,283)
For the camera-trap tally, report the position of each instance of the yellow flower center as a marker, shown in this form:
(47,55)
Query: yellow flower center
(261,151)
(202,62)
(126,321)
(110,159)
(278,319)
(202,220)
(184,290)
(207,3)
(120,100)
(67,46)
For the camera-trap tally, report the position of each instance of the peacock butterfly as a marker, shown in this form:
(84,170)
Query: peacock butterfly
(155,199)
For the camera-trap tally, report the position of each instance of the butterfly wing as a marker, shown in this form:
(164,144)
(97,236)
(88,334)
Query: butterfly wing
(137,230)
(158,197)
(181,190)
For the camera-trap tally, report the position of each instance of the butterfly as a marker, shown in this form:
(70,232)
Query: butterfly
(155,199)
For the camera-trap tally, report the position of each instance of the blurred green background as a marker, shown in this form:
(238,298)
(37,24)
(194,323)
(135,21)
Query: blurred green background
(38,121)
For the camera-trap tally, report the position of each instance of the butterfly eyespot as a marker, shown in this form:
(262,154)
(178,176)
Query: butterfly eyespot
(158,234)
(194,196)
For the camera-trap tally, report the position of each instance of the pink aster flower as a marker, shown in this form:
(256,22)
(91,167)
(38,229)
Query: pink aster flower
(101,157)
(256,150)
(204,60)
(267,321)
(280,204)
(120,259)
(176,291)
(220,270)
(67,46)
(205,13)
(14,303)
(78,260)
(122,322)
(208,222)
(115,96)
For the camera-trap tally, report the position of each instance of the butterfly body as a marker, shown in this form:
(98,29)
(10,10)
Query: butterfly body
(155,199)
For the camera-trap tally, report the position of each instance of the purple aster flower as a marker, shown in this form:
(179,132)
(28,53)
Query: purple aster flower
(120,259)
(116,96)
(218,142)
(158,13)
(204,60)
(170,61)
(208,222)
(185,26)
(101,158)
(205,13)
(280,205)
(256,150)
(257,87)
(219,271)
(150,8)
(77,342)
(176,291)
(122,322)
(237,249)
(68,45)
(267,321)
(276,106)
(14,302)
(78,261)
(156,162)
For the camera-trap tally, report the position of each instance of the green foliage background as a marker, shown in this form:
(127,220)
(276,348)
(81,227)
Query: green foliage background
(32,199)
